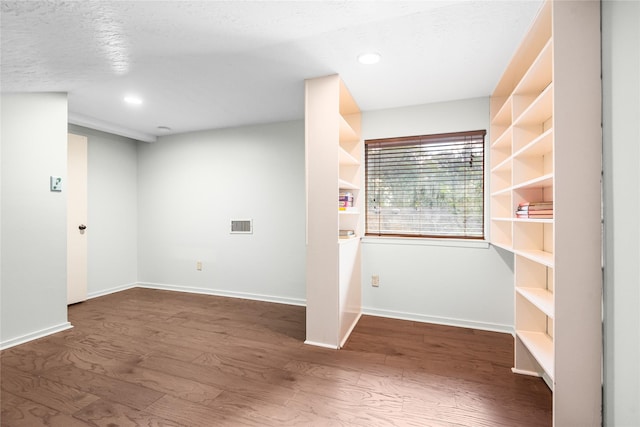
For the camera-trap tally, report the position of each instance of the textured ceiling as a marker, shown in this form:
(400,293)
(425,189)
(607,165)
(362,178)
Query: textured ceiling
(211,64)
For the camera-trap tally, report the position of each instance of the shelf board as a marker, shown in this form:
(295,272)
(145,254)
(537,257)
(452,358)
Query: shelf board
(497,102)
(346,158)
(540,345)
(503,166)
(347,134)
(503,116)
(541,298)
(541,257)
(346,185)
(539,111)
(539,182)
(502,218)
(501,192)
(540,146)
(503,141)
(503,246)
(351,212)
(539,74)
(539,221)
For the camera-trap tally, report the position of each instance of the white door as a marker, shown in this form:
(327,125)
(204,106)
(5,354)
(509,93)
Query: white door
(76,218)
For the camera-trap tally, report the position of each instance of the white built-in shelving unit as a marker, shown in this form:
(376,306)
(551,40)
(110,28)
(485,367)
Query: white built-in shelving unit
(546,146)
(333,149)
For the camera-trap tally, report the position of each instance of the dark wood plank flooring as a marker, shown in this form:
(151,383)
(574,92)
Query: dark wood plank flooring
(146,357)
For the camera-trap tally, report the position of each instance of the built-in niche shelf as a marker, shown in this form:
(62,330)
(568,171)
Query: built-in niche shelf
(545,146)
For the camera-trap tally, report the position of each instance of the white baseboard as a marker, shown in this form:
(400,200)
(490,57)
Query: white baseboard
(493,327)
(222,293)
(280,300)
(34,335)
(547,379)
(301,302)
(321,344)
(525,372)
(104,292)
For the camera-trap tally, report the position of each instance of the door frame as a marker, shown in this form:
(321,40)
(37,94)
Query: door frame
(77,147)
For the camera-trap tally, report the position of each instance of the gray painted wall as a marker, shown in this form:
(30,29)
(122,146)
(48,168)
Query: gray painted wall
(190,186)
(458,283)
(621,157)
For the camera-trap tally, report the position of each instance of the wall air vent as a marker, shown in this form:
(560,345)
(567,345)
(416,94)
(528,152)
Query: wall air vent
(241,226)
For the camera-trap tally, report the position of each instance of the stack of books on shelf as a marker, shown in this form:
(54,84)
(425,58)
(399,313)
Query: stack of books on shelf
(345,201)
(346,234)
(535,210)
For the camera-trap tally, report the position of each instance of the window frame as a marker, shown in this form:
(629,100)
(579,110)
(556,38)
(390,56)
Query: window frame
(425,139)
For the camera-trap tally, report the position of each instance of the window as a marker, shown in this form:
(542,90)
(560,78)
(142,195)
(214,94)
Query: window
(426,186)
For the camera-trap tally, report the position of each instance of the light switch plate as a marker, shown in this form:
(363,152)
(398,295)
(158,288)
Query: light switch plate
(56,183)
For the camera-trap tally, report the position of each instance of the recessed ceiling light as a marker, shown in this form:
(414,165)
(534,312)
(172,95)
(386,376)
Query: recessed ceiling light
(133,100)
(164,128)
(369,58)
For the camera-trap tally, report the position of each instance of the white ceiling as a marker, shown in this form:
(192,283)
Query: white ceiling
(212,64)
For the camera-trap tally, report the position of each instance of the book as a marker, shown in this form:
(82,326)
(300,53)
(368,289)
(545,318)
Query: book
(535,206)
(345,200)
(536,212)
(346,234)
(531,216)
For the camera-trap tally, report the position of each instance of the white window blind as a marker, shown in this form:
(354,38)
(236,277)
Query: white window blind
(426,186)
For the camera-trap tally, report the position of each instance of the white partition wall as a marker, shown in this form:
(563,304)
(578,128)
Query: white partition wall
(34,226)
(333,153)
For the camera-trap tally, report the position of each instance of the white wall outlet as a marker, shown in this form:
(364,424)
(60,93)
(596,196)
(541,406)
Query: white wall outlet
(375,280)
(55,183)
(199,265)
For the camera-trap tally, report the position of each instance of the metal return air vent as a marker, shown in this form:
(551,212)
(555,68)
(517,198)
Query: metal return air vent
(241,226)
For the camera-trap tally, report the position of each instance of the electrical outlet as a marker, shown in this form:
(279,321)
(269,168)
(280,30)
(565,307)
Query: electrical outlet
(375,280)
(199,265)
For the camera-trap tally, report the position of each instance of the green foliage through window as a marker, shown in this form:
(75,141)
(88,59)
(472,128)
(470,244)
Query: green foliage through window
(426,186)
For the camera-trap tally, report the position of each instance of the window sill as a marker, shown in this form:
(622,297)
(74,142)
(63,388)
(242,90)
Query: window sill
(425,241)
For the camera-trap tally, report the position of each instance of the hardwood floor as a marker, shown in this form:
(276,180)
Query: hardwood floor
(157,358)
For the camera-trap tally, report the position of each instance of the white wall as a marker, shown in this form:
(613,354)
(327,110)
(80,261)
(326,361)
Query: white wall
(456,283)
(34,224)
(189,188)
(621,157)
(112,223)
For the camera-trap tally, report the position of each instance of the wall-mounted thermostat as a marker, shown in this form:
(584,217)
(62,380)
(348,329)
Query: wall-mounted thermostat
(56,183)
